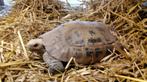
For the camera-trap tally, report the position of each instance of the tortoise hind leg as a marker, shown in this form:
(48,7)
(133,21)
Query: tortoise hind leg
(55,66)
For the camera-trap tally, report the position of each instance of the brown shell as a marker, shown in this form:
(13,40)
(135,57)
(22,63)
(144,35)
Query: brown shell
(86,41)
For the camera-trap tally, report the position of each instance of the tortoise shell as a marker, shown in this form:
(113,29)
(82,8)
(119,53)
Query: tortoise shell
(86,41)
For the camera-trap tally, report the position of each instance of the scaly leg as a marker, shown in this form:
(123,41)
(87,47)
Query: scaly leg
(55,66)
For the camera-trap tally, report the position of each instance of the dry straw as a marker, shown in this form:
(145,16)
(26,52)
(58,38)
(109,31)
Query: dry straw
(30,18)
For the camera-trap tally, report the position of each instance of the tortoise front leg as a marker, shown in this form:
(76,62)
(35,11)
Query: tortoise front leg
(55,66)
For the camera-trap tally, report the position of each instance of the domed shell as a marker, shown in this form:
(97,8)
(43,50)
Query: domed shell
(86,41)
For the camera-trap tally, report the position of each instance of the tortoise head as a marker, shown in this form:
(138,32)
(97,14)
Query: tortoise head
(36,45)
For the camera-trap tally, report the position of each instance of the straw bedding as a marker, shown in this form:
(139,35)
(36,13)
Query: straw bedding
(30,18)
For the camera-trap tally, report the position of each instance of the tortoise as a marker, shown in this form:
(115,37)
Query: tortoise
(87,42)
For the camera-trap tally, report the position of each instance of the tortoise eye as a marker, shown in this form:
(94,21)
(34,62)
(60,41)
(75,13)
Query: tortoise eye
(35,45)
